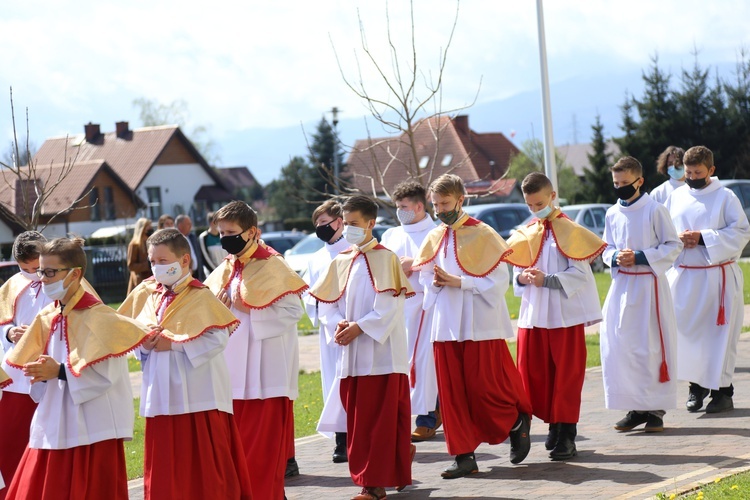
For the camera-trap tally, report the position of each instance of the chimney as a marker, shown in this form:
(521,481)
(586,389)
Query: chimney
(461,122)
(92,131)
(121,128)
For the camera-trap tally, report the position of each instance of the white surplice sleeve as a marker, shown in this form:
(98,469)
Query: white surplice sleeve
(330,315)
(662,256)
(93,381)
(727,242)
(199,351)
(378,323)
(276,320)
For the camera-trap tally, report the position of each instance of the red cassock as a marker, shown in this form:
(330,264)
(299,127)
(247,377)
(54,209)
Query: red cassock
(378,425)
(205,447)
(481,393)
(92,472)
(552,364)
(16,411)
(263,426)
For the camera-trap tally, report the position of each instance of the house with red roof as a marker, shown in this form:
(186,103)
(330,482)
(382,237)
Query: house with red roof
(160,165)
(443,145)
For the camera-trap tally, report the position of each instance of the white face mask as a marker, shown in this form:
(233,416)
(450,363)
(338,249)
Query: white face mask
(30,276)
(56,290)
(167,274)
(405,217)
(354,235)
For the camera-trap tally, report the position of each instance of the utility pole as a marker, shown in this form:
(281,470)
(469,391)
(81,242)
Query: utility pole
(336,166)
(550,166)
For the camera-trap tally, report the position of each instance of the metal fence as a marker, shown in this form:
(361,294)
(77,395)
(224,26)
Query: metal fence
(107,271)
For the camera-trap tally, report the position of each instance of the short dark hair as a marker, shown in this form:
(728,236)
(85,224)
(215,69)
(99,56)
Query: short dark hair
(172,238)
(329,207)
(677,155)
(535,182)
(412,190)
(239,212)
(698,155)
(163,220)
(362,204)
(628,164)
(68,250)
(28,246)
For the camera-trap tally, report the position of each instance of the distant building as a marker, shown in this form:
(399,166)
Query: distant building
(444,145)
(241,183)
(576,155)
(159,164)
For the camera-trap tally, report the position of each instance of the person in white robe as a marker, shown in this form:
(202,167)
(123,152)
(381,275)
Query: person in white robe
(670,164)
(638,333)
(707,283)
(410,198)
(329,227)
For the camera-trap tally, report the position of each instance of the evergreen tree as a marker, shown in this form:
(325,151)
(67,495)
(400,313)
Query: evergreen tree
(288,195)
(322,159)
(531,159)
(597,187)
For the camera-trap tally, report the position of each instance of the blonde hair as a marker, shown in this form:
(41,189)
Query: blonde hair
(139,233)
(447,185)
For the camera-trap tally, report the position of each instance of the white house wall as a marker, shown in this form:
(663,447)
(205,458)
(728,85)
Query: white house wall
(6,234)
(179,185)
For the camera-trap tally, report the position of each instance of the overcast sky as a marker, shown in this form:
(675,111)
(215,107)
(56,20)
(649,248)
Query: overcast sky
(246,64)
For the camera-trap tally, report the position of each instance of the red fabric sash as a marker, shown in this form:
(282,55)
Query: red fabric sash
(721,317)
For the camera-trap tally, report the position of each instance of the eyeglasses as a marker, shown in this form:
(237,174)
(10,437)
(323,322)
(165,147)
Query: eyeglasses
(51,272)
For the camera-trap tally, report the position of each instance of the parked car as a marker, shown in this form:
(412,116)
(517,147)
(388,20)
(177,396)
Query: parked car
(7,270)
(281,241)
(741,187)
(299,255)
(589,215)
(502,217)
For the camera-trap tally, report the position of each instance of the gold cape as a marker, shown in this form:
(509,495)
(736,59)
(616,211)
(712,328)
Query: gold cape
(573,240)
(4,379)
(93,332)
(478,248)
(14,287)
(266,277)
(194,310)
(386,274)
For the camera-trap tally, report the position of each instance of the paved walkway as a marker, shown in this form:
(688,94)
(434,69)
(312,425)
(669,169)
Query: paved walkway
(694,448)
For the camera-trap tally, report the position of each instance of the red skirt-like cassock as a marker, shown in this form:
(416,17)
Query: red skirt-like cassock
(16,411)
(378,426)
(552,363)
(92,472)
(263,425)
(481,393)
(290,431)
(195,455)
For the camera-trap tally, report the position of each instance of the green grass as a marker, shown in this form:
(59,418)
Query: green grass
(309,405)
(134,449)
(603,280)
(737,486)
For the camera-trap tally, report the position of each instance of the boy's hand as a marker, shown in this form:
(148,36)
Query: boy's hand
(223,296)
(442,278)
(626,258)
(162,344)
(690,238)
(346,335)
(535,276)
(15,333)
(406,263)
(43,369)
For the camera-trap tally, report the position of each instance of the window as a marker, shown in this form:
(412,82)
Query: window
(588,219)
(599,215)
(96,214)
(745,195)
(153,194)
(424,161)
(447,160)
(109,203)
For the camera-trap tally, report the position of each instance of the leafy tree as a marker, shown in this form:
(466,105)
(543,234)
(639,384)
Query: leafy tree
(153,113)
(287,195)
(531,159)
(597,187)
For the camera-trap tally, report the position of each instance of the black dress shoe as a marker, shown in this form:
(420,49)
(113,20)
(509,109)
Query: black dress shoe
(632,420)
(552,436)
(719,403)
(696,395)
(565,448)
(654,423)
(292,468)
(339,452)
(520,440)
(463,466)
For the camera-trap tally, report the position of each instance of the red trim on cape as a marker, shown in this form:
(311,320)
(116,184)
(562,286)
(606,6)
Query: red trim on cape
(455,254)
(548,225)
(232,326)
(471,221)
(264,252)
(7,382)
(290,292)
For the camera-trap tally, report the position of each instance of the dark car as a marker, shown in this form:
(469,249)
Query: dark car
(281,241)
(7,269)
(502,217)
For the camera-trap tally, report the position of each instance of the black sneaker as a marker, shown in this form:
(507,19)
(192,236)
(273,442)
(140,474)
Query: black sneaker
(292,468)
(463,466)
(654,424)
(719,403)
(632,420)
(520,441)
(339,452)
(696,395)
(552,436)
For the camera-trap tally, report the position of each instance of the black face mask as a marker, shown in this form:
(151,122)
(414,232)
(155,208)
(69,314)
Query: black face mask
(150,232)
(325,232)
(696,183)
(627,192)
(233,244)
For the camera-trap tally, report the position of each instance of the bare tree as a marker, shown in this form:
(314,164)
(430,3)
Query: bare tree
(412,99)
(29,186)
